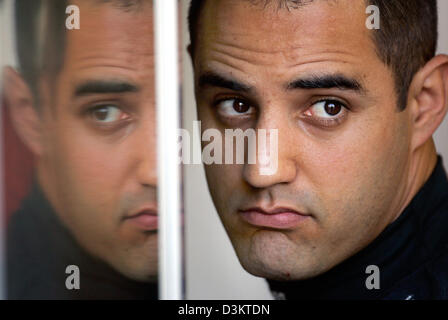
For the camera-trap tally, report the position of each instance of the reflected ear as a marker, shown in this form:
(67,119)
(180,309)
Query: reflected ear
(190,53)
(24,116)
(189,49)
(428,99)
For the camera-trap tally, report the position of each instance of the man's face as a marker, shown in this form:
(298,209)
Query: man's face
(98,160)
(313,74)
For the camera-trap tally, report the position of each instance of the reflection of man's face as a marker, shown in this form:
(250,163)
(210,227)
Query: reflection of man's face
(313,74)
(98,161)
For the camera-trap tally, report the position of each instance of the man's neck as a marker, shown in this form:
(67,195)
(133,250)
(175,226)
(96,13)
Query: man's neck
(421,165)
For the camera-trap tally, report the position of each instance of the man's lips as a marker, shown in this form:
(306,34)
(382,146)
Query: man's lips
(276,218)
(146,219)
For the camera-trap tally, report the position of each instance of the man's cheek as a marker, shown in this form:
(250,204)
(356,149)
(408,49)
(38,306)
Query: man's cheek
(215,177)
(331,169)
(354,159)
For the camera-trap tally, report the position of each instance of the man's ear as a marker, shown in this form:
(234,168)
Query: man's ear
(428,99)
(24,115)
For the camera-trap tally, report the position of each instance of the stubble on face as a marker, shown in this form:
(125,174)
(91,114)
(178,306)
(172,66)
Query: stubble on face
(349,179)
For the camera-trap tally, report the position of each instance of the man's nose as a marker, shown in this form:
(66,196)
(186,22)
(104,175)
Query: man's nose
(283,152)
(146,149)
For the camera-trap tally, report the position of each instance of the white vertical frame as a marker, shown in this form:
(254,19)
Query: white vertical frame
(168,120)
(7,58)
(2,204)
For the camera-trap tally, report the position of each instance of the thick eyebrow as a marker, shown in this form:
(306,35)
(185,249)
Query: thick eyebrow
(216,80)
(104,86)
(337,81)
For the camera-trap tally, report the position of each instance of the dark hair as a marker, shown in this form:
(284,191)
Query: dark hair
(406,40)
(40,36)
(40,42)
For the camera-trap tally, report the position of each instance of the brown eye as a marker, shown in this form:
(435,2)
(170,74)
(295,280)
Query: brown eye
(101,114)
(240,106)
(106,114)
(326,109)
(234,108)
(332,108)
(327,113)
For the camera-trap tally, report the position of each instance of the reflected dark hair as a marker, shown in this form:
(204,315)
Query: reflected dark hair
(40,36)
(406,41)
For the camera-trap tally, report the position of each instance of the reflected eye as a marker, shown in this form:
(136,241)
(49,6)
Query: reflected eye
(107,114)
(234,108)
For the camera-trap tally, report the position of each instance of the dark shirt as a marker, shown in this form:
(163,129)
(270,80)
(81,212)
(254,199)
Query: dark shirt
(39,249)
(411,254)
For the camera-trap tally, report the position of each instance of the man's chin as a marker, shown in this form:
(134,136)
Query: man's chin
(272,255)
(143,267)
(149,275)
(148,279)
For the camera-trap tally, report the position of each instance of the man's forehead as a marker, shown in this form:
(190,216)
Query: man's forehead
(125,5)
(105,12)
(110,32)
(246,38)
(269,28)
